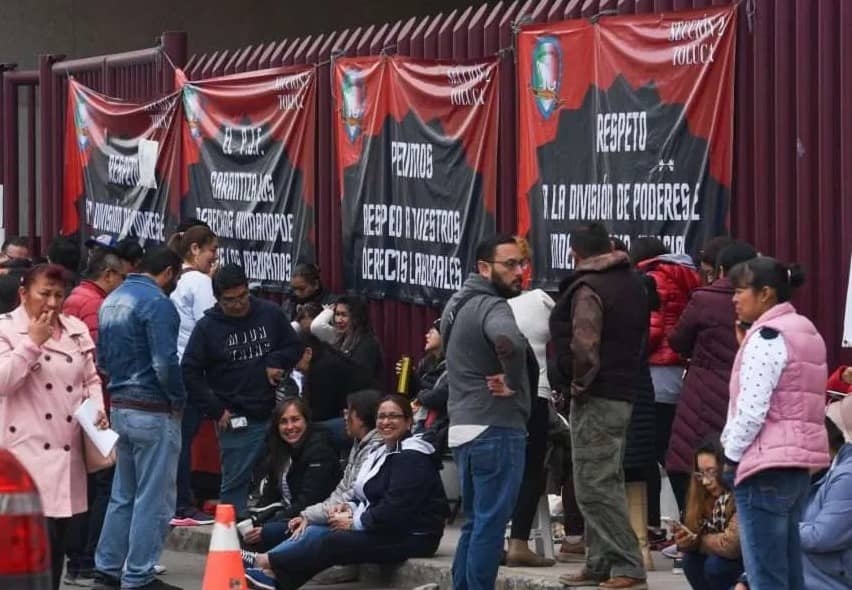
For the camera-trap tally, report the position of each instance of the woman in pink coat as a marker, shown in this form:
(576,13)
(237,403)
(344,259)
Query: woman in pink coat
(47,369)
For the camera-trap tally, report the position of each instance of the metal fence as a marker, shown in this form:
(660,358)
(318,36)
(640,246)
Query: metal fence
(33,125)
(792,193)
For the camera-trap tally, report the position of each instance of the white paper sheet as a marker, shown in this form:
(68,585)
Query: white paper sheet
(148,151)
(104,439)
(847,324)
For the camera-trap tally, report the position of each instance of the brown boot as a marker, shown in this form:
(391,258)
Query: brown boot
(581,579)
(519,555)
(571,551)
(637,507)
(623,582)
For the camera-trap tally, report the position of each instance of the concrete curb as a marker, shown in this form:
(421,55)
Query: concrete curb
(436,570)
(415,572)
(410,574)
(190,539)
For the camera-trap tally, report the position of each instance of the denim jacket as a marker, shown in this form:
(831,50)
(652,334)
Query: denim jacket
(137,344)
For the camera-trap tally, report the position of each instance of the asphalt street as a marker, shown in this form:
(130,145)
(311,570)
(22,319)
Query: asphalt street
(186,570)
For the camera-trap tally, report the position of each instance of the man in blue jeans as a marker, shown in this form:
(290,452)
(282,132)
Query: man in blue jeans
(236,355)
(490,370)
(138,327)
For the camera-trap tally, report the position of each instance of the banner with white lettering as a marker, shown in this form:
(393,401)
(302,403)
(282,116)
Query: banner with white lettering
(626,121)
(120,166)
(249,165)
(416,146)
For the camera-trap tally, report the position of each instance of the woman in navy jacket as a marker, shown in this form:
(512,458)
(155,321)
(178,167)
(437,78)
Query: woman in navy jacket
(398,511)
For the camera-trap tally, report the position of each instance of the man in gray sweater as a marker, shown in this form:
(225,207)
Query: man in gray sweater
(489,404)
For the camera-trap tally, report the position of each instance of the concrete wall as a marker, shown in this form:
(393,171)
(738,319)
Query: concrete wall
(81,28)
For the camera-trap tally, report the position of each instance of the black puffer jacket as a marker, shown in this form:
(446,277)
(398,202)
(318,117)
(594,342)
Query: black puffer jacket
(331,377)
(639,451)
(313,475)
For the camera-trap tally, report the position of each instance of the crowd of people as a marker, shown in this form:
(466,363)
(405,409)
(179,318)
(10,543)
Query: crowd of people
(645,370)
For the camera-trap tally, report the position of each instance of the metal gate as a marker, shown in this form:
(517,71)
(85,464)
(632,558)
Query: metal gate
(792,193)
(33,125)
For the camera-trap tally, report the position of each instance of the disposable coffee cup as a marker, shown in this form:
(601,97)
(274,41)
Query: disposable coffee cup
(244,526)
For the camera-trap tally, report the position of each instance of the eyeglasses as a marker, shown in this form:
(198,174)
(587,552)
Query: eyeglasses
(397,416)
(512,264)
(234,300)
(710,474)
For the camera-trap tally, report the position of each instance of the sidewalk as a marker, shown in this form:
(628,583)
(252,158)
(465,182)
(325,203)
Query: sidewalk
(415,572)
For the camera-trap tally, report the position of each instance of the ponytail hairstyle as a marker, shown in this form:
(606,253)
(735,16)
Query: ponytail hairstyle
(764,271)
(182,243)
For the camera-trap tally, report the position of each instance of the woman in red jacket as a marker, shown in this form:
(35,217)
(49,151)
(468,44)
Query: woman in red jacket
(675,277)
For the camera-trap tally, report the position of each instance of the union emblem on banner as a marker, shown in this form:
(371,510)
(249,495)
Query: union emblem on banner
(354,102)
(546,75)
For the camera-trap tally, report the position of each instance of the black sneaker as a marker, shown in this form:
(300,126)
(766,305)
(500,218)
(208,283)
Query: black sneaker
(158,584)
(102,581)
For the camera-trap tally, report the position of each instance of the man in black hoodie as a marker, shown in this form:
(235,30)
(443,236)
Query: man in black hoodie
(235,357)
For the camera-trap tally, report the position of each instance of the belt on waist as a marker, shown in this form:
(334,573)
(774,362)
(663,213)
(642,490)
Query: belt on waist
(129,404)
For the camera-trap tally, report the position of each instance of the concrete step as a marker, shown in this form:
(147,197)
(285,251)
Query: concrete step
(416,572)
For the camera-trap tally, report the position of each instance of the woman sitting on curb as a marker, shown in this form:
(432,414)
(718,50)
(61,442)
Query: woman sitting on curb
(397,511)
(303,468)
(710,539)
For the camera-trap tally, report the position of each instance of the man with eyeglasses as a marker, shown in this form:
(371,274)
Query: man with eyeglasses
(103,275)
(597,329)
(235,357)
(490,372)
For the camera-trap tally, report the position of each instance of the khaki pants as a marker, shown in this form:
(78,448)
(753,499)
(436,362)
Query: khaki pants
(598,432)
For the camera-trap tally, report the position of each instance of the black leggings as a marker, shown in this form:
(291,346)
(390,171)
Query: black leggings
(665,414)
(535,477)
(57,531)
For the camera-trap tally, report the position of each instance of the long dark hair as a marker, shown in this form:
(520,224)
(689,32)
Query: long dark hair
(359,322)
(280,450)
(698,501)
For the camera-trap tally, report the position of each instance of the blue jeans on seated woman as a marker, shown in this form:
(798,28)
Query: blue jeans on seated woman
(274,533)
(297,561)
(711,572)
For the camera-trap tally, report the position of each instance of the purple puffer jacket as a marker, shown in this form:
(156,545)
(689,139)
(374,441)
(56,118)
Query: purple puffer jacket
(705,335)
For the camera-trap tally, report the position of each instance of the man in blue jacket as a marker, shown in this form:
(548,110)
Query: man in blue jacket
(236,355)
(137,350)
(826,527)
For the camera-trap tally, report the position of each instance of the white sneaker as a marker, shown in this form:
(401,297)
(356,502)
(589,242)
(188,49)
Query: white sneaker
(671,552)
(160,569)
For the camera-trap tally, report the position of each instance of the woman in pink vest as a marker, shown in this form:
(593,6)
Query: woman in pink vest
(774,436)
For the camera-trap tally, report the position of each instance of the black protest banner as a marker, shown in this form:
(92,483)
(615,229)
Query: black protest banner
(627,122)
(249,165)
(416,145)
(120,165)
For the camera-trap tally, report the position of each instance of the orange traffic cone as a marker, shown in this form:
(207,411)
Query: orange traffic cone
(224,569)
